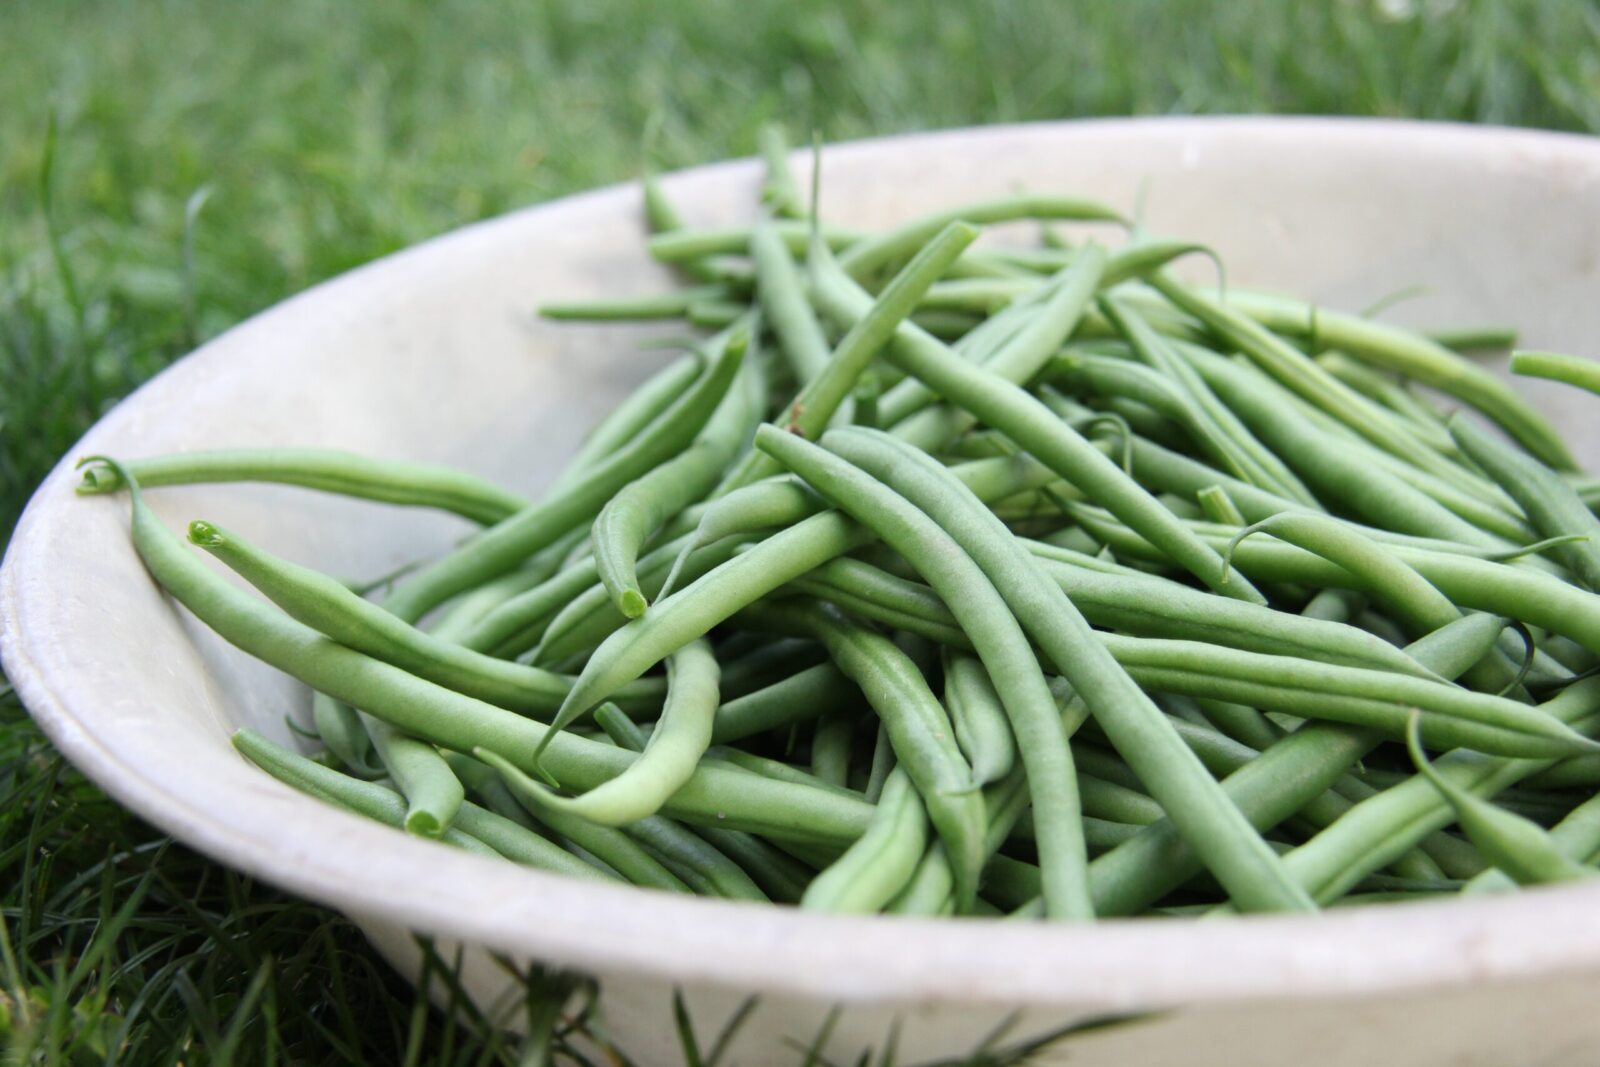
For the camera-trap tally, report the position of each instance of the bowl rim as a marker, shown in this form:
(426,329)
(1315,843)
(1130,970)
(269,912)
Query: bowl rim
(1113,963)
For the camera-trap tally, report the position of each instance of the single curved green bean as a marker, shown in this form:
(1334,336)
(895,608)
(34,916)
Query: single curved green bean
(1415,356)
(870,254)
(449,719)
(1034,428)
(680,740)
(500,547)
(1550,504)
(611,846)
(433,794)
(982,730)
(998,639)
(881,862)
(325,469)
(1557,367)
(326,606)
(780,877)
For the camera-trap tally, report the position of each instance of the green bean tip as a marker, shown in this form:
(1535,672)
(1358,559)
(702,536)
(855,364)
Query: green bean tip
(204,534)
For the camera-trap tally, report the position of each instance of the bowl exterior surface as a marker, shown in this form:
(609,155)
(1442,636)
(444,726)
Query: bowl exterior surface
(437,354)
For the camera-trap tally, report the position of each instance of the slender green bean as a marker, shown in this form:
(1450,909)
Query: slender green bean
(979,717)
(881,862)
(326,606)
(328,470)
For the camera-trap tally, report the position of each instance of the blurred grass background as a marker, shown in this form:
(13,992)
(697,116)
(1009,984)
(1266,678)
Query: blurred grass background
(168,168)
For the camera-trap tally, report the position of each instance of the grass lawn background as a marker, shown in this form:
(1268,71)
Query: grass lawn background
(169,168)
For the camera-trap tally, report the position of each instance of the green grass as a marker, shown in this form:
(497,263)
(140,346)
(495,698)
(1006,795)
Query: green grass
(209,159)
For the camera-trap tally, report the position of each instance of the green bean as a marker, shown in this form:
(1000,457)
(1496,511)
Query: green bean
(643,505)
(611,846)
(881,862)
(328,607)
(433,795)
(591,616)
(475,829)
(629,418)
(1334,474)
(753,661)
(830,747)
(340,729)
(1473,338)
(1145,606)
(452,720)
(778,876)
(999,642)
(1516,845)
(681,246)
(1389,392)
(1550,504)
(669,305)
(778,189)
(1557,367)
(1268,790)
(813,408)
(808,694)
(1019,358)
(784,305)
(1392,821)
(1260,465)
(694,859)
(328,470)
(1137,727)
(870,254)
(981,727)
(502,546)
(679,741)
(1031,425)
(1417,357)
(919,730)
(882,764)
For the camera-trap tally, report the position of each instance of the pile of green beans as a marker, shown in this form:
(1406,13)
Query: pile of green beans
(959,577)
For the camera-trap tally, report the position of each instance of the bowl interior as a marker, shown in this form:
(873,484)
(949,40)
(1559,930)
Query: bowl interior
(437,354)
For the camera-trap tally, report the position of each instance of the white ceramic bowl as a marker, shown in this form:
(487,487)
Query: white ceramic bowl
(436,354)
